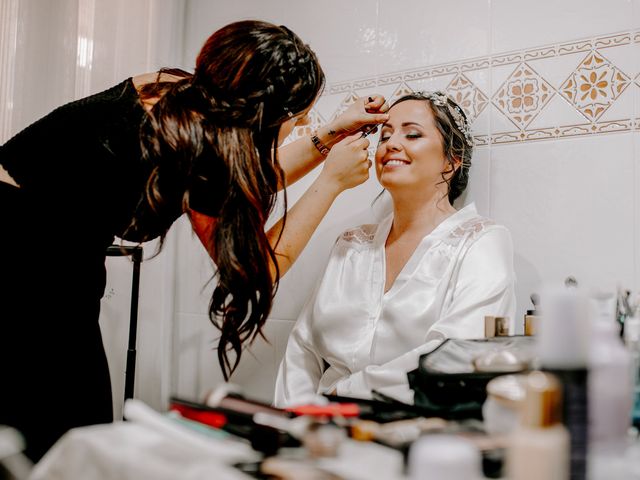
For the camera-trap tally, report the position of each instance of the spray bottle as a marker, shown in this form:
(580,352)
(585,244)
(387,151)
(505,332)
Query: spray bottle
(610,381)
(563,350)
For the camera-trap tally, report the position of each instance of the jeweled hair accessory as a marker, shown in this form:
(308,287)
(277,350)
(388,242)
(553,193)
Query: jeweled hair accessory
(442,100)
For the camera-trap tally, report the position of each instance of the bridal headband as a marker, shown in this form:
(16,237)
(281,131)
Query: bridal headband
(440,99)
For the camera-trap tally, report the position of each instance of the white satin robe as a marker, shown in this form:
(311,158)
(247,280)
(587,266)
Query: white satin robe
(353,337)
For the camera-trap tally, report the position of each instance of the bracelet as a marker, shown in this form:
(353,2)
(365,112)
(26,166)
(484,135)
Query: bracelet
(321,147)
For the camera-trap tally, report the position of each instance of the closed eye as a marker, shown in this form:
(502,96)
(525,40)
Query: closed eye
(411,136)
(384,136)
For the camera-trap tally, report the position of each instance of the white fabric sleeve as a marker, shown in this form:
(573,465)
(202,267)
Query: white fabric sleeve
(301,367)
(484,285)
(389,378)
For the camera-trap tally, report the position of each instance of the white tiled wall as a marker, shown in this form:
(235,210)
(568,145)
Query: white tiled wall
(519,24)
(561,177)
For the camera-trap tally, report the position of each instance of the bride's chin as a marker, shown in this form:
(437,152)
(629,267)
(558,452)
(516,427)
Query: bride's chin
(389,185)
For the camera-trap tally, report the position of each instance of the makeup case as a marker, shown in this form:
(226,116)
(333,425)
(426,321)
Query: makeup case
(451,380)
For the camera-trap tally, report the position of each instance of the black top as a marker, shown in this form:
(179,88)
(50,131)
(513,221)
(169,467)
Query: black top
(81,173)
(81,176)
(84,157)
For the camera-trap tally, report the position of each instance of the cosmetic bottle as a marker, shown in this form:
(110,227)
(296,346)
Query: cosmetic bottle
(500,411)
(624,309)
(496,326)
(563,350)
(532,317)
(539,446)
(632,342)
(610,380)
(444,456)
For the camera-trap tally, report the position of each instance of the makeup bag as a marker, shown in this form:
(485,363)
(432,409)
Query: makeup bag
(451,381)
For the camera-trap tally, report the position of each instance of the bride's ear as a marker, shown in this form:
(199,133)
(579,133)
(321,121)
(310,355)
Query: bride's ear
(454,164)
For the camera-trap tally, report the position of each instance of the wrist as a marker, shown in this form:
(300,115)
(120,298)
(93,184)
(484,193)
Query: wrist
(330,186)
(330,134)
(319,145)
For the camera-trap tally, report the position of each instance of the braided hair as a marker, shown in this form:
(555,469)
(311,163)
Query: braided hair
(216,131)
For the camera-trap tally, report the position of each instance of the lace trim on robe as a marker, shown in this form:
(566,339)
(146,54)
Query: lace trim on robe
(472,228)
(362,235)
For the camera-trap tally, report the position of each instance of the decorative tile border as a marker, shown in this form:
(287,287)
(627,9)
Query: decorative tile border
(591,87)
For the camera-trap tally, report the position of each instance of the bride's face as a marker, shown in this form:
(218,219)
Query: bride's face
(410,151)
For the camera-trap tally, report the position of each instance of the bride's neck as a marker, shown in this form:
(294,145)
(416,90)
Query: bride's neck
(420,218)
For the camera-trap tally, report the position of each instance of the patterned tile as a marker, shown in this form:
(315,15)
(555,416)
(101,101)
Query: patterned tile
(594,85)
(346,103)
(523,95)
(468,96)
(315,121)
(430,84)
(402,90)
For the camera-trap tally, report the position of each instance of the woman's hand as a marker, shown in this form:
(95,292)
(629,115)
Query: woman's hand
(363,114)
(301,156)
(347,164)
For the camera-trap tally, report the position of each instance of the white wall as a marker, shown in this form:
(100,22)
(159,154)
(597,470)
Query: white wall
(563,179)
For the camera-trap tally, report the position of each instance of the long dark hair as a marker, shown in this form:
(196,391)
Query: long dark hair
(212,140)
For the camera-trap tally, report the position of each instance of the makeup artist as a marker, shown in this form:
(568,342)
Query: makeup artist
(127,162)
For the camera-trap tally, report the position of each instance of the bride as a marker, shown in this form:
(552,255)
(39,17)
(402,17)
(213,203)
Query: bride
(395,290)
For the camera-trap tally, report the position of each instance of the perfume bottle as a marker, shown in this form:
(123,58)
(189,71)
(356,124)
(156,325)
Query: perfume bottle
(632,342)
(532,317)
(539,447)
